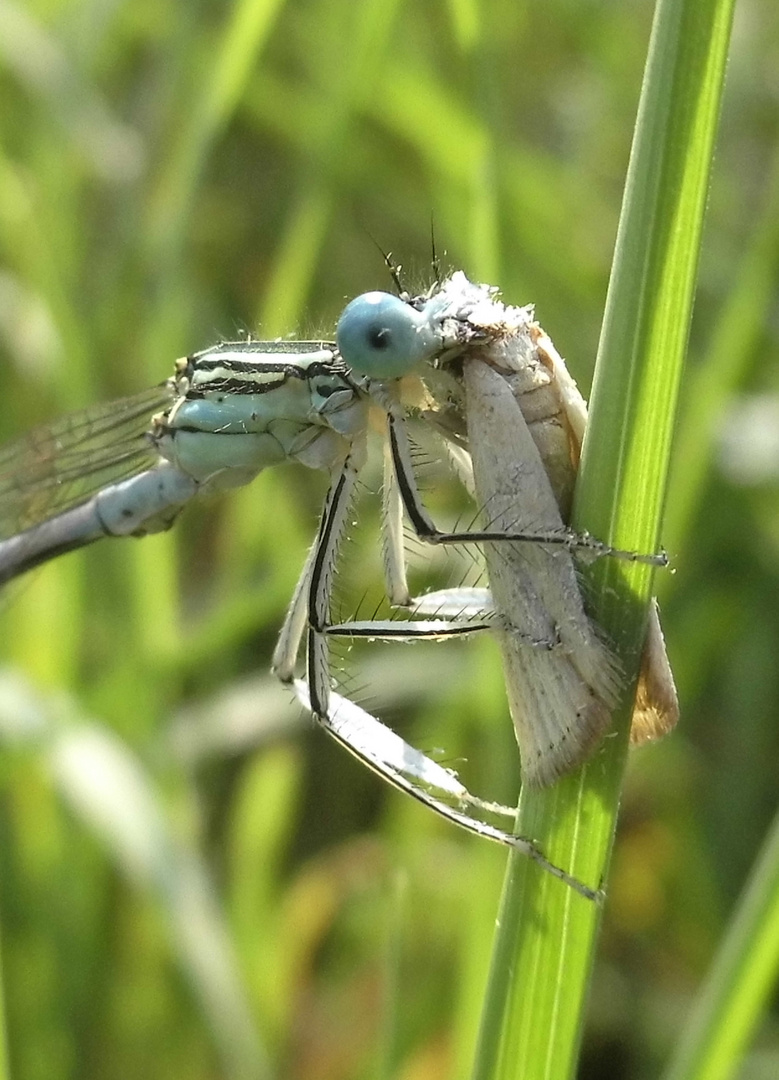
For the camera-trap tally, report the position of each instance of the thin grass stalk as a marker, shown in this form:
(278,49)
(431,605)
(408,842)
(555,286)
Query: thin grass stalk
(543,956)
(742,978)
(5,1070)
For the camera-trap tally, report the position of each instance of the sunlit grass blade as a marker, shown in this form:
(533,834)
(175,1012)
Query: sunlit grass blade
(4,1066)
(741,981)
(544,949)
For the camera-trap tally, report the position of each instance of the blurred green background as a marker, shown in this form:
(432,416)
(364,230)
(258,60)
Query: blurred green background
(193,882)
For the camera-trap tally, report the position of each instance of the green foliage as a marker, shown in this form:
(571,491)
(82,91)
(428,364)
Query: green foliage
(192,883)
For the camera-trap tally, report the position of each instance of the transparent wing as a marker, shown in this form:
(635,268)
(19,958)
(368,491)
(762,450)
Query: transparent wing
(58,466)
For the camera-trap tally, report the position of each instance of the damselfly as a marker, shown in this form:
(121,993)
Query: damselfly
(227,413)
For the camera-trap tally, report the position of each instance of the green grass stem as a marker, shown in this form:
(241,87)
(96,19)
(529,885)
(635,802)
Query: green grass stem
(740,982)
(544,948)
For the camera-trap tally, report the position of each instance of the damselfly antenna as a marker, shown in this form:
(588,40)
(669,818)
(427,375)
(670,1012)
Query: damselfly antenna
(395,270)
(434,256)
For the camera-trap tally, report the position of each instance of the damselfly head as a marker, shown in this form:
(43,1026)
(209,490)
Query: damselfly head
(385,337)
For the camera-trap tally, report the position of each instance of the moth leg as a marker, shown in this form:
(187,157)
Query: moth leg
(426,529)
(419,776)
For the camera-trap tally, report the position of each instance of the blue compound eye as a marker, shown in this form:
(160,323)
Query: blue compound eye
(382,336)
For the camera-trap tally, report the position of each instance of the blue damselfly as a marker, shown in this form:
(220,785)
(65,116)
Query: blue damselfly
(128,468)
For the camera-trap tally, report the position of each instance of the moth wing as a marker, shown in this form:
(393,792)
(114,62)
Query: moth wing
(563,681)
(656,710)
(574,405)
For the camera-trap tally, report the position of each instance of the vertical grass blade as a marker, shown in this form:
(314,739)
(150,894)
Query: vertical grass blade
(741,980)
(5,1072)
(534,1010)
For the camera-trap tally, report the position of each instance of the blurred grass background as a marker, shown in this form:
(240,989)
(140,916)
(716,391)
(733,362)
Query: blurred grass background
(193,883)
